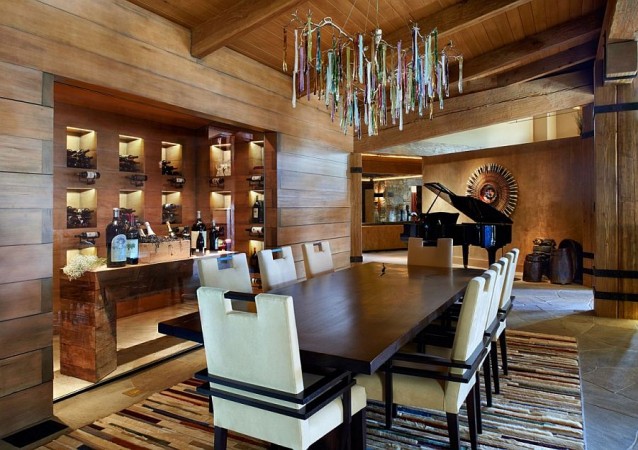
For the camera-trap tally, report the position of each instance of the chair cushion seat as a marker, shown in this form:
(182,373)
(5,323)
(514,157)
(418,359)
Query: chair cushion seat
(283,430)
(416,391)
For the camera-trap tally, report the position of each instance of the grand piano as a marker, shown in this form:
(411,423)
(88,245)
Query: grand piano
(492,229)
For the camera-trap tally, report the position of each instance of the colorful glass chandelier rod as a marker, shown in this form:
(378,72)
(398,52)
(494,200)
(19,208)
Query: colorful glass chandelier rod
(360,83)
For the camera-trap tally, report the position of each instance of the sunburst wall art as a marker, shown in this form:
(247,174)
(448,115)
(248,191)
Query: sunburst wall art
(494,185)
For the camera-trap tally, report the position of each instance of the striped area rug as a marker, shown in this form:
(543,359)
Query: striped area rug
(539,407)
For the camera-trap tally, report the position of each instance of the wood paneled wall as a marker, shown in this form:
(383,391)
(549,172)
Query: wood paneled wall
(554,199)
(118,46)
(26,142)
(313,197)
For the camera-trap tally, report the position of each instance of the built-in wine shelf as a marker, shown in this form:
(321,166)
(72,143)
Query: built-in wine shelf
(80,208)
(171,162)
(81,148)
(131,204)
(131,154)
(172,207)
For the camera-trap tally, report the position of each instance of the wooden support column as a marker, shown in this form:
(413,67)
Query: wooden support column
(589,225)
(356,202)
(616,166)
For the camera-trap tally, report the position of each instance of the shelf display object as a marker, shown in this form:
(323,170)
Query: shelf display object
(172,207)
(131,154)
(81,148)
(80,208)
(221,183)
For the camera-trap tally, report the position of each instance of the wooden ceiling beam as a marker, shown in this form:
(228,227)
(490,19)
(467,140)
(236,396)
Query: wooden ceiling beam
(480,109)
(244,15)
(457,18)
(543,67)
(624,22)
(572,33)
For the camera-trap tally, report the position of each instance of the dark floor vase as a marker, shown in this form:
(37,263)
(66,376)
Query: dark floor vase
(562,266)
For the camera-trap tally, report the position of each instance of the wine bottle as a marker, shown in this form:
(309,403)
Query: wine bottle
(89,176)
(199,246)
(214,236)
(88,235)
(254,261)
(132,243)
(198,228)
(115,241)
(171,233)
(260,218)
(149,230)
(255,213)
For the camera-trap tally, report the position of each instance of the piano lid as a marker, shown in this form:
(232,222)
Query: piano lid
(472,207)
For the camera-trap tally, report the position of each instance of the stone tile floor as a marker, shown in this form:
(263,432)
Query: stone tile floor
(608,357)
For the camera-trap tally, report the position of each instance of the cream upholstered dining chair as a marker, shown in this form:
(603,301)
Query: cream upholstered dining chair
(492,322)
(433,256)
(504,309)
(226,272)
(317,258)
(276,272)
(438,338)
(437,382)
(256,380)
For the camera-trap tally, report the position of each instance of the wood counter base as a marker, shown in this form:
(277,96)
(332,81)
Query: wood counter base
(89,304)
(383,236)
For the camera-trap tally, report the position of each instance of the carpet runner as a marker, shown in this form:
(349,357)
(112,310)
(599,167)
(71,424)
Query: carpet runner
(539,407)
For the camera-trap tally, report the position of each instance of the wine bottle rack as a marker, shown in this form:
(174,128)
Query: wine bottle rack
(171,162)
(131,203)
(131,154)
(80,208)
(171,207)
(81,148)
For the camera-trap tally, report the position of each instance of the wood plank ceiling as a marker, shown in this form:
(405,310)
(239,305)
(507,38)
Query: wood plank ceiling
(504,42)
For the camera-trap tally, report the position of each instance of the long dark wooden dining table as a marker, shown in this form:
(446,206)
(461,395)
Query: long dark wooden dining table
(356,319)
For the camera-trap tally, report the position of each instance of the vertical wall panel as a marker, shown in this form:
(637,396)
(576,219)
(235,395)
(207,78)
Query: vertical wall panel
(26,196)
(313,196)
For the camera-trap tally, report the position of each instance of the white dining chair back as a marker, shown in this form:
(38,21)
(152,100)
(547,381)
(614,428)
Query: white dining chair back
(261,349)
(512,257)
(500,335)
(228,272)
(470,328)
(317,258)
(500,268)
(277,267)
(434,256)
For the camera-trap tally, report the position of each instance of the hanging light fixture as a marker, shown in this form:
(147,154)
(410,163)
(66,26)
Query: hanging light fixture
(364,79)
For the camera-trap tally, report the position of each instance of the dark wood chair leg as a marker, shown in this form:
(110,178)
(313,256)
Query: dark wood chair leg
(390,407)
(221,438)
(453,430)
(494,356)
(477,393)
(488,383)
(503,341)
(471,417)
(359,430)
